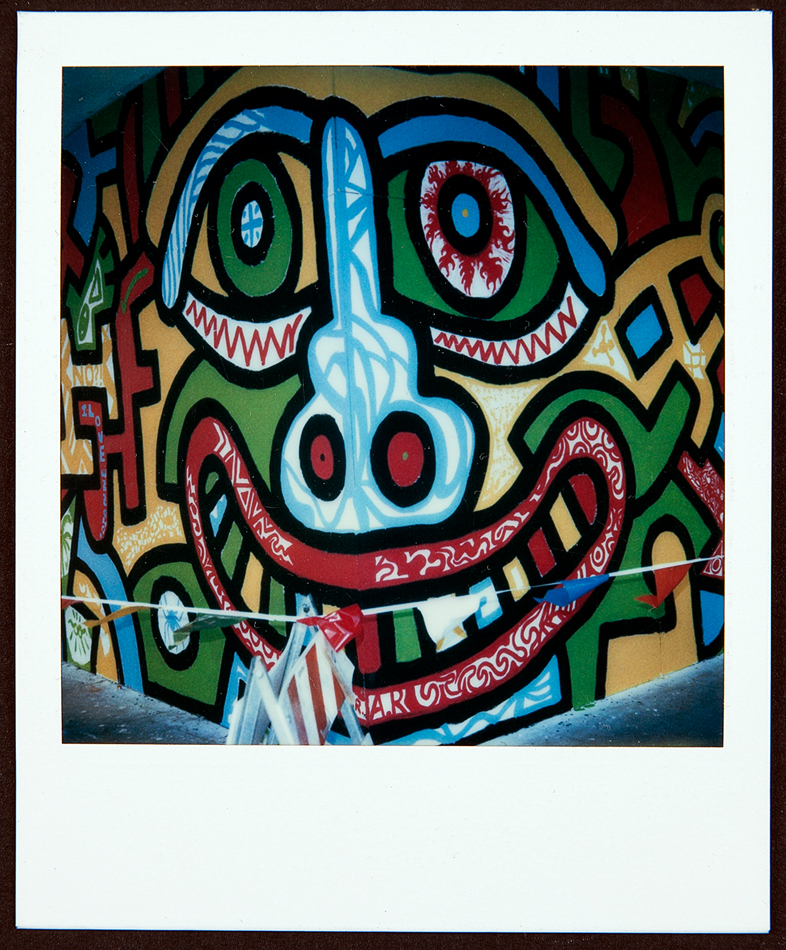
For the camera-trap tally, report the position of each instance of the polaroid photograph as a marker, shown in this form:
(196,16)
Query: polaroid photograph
(394,402)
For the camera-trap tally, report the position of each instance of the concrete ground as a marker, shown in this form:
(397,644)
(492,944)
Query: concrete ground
(97,710)
(681,709)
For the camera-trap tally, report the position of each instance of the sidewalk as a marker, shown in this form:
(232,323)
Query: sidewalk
(681,709)
(97,710)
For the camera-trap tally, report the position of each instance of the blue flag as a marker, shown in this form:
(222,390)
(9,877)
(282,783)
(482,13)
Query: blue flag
(569,591)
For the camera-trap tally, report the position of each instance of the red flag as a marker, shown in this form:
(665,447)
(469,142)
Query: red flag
(665,582)
(339,627)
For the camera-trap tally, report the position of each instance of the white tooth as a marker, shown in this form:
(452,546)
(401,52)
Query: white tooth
(443,614)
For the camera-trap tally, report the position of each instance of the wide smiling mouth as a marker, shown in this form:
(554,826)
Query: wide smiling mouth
(416,661)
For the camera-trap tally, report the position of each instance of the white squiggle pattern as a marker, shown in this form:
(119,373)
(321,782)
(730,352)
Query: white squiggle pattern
(243,629)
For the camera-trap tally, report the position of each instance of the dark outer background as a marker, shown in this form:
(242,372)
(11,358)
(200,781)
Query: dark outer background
(173,940)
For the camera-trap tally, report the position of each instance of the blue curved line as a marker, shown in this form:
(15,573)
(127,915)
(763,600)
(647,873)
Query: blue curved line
(544,691)
(432,130)
(111,583)
(713,122)
(270,119)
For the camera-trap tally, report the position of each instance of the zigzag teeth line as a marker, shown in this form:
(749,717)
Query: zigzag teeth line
(525,350)
(247,345)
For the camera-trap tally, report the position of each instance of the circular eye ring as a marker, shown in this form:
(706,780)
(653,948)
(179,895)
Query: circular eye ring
(464,306)
(323,457)
(403,480)
(250,194)
(271,266)
(451,193)
(185,657)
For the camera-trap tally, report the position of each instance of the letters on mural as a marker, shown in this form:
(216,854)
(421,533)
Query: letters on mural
(417,341)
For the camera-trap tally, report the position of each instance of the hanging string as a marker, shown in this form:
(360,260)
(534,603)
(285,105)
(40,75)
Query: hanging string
(234,615)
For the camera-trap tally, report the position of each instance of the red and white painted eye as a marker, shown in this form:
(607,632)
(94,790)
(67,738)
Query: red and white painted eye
(466,211)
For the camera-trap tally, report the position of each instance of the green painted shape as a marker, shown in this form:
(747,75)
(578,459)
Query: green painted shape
(686,176)
(607,157)
(276,601)
(231,549)
(210,481)
(200,681)
(84,635)
(151,125)
(96,297)
(67,525)
(406,636)
(108,119)
(619,602)
(263,278)
(540,266)
(195,79)
(409,277)
(583,664)
(650,450)
(256,412)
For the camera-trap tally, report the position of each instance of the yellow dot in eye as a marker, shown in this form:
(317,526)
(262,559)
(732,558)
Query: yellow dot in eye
(465,213)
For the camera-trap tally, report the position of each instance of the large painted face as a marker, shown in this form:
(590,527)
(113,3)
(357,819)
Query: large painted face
(424,342)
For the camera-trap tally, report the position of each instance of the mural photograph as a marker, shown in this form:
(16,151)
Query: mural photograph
(392,399)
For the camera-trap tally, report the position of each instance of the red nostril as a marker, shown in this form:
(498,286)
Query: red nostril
(322,460)
(406,458)
(402,458)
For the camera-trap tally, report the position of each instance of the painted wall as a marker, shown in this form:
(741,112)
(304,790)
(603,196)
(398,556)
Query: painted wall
(379,336)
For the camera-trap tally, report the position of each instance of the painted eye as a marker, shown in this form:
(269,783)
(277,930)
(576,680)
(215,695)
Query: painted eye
(466,211)
(252,229)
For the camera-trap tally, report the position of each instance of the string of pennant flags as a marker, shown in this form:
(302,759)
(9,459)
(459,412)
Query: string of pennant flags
(298,701)
(560,593)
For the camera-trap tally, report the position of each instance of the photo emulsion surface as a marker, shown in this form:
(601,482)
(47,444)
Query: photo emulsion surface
(392,400)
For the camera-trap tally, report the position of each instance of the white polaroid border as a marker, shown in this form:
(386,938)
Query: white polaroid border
(522,839)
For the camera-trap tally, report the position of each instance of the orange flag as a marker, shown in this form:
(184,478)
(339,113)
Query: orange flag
(665,582)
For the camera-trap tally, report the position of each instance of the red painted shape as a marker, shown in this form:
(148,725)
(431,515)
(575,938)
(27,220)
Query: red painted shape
(696,294)
(134,379)
(405,458)
(369,660)
(585,494)
(722,376)
(71,257)
(128,149)
(172,94)
(644,205)
(540,550)
(321,456)
(96,499)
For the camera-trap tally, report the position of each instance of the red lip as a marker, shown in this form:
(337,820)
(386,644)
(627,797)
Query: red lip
(393,568)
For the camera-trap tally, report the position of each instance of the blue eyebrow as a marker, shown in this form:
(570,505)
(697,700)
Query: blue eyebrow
(436,129)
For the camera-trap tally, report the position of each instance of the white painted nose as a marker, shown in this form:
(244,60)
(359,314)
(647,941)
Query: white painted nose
(368,451)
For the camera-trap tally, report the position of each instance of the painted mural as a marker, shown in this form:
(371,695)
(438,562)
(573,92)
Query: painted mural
(418,342)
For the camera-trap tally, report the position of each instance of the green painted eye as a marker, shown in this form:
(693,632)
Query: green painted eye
(413,277)
(253,236)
